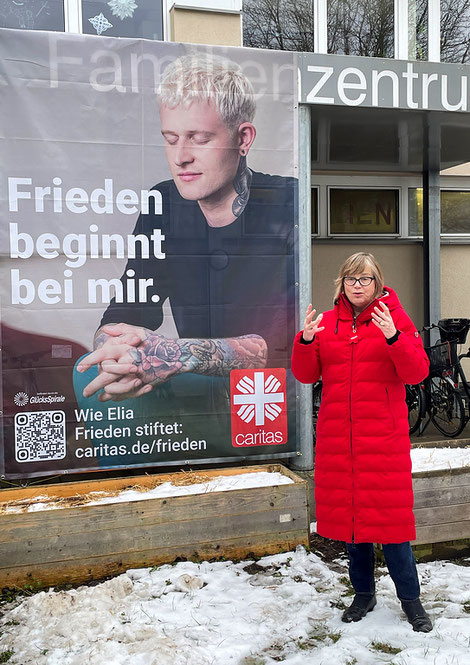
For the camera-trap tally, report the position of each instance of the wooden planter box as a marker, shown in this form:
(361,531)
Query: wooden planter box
(82,543)
(442,505)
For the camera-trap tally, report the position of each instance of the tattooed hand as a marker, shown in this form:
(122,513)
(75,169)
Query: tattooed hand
(157,359)
(115,365)
(130,369)
(133,334)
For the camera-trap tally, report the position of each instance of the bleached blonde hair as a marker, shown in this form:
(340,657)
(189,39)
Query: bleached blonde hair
(206,77)
(355,265)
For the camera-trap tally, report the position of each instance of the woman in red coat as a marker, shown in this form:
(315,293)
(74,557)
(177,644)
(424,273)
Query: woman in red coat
(365,350)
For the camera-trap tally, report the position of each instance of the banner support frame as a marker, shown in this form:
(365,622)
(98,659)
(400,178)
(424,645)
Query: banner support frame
(304,459)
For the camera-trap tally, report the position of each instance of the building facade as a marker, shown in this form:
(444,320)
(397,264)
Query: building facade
(357,167)
(383,137)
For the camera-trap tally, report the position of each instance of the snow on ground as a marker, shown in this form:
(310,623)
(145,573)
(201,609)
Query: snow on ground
(429,459)
(286,608)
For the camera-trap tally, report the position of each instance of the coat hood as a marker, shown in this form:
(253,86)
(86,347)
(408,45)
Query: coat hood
(344,310)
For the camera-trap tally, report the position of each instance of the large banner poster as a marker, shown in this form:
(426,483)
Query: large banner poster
(148,293)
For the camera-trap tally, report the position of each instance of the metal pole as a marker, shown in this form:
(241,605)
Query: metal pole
(432,224)
(304,461)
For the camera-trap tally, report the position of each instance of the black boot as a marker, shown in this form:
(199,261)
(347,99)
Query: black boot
(416,615)
(362,603)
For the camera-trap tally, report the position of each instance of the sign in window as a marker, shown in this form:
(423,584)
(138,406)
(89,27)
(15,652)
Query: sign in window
(363,211)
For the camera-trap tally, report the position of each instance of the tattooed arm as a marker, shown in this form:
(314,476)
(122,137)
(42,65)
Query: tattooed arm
(132,363)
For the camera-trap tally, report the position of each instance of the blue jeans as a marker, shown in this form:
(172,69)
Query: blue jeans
(400,562)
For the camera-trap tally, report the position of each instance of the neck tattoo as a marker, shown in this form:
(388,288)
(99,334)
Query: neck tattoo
(241,185)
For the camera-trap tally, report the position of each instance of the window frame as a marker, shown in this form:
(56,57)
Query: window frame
(73,18)
(403,182)
(315,188)
(444,236)
(361,187)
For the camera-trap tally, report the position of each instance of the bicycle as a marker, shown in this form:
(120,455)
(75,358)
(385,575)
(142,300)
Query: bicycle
(316,401)
(415,401)
(440,394)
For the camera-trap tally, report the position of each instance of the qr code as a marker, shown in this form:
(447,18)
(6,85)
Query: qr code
(40,436)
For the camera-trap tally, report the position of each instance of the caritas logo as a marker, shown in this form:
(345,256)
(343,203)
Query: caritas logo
(259,414)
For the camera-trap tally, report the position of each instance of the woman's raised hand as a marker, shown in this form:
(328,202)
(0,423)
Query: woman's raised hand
(383,320)
(311,325)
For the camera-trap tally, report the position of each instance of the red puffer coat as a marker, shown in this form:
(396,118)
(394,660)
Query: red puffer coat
(363,489)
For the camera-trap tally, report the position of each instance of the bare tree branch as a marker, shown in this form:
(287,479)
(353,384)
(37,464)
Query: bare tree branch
(355,27)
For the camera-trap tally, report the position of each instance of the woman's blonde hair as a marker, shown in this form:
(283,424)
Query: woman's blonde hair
(357,264)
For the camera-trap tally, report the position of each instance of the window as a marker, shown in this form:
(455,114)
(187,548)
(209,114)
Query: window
(363,211)
(418,29)
(314,204)
(32,14)
(362,27)
(282,25)
(118,18)
(123,18)
(415,211)
(455,212)
(455,31)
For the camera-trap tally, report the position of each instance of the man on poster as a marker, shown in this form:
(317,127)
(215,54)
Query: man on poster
(229,266)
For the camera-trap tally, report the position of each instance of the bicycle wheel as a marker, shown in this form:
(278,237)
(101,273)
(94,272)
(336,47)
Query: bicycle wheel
(416,403)
(446,407)
(316,400)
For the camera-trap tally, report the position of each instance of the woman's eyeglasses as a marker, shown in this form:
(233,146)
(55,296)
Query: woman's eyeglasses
(363,281)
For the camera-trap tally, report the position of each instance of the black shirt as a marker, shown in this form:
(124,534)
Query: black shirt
(221,281)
